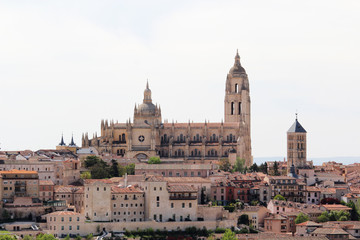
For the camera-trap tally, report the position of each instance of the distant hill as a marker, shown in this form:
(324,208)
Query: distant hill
(317,161)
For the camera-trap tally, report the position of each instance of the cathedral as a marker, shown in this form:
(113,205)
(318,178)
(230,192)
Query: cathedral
(147,135)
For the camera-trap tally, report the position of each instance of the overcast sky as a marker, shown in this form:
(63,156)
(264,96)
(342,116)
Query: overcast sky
(65,65)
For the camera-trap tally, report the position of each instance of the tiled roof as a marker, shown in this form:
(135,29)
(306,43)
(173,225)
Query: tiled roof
(173,166)
(153,178)
(132,189)
(312,189)
(332,207)
(67,189)
(46,182)
(187,180)
(63,213)
(309,224)
(331,231)
(181,188)
(92,181)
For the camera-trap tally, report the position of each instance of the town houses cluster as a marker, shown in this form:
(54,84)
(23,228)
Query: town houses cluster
(148,173)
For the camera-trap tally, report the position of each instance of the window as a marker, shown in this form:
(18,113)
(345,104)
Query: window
(154,188)
(157,198)
(190,205)
(62,227)
(183,205)
(97,189)
(232,108)
(62,219)
(157,204)
(172,205)
(78,219)
(155,217)
(160,188)
(77,227)
(70,227)
(70,219)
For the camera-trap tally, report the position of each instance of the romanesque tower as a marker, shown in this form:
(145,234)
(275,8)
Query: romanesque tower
(237,106)
(296,146)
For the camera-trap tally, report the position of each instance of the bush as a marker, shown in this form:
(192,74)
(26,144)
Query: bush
(279,197)
(220,230)
(154,160)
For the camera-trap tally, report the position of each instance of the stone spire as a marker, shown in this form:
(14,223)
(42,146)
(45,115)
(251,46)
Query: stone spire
(62,143)
(72,141)
(237,68)
(147,93)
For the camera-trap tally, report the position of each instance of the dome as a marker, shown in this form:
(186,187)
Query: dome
(147,108)
(237,68)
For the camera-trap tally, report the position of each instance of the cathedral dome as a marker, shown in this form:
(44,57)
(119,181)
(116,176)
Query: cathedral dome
(147,108)
(237,68)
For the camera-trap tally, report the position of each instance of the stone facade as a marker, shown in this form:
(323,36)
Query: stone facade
(148,136)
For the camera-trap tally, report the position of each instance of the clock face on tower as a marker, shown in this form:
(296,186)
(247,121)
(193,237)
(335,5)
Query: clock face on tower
(141,138)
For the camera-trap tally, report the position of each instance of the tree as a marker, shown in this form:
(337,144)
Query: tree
(334,216)
(99,171)
(130,169)
(324,217)
(28,237)
(301,218)
(89,236)
(244,219)
(354,213)
(7,237)
(122,170)
(67,237)
(254,168)
(42,236)
(239,165)
(225,165)
(279,197)
(91,161)
(154,160)
(228,235)
(85,175)
(203,196)
(114,168)
(276,169)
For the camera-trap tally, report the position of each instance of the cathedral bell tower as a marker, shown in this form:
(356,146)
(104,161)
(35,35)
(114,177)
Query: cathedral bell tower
(237,108)
(237,97)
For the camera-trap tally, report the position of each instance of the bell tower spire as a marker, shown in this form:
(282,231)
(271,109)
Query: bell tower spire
(147,93)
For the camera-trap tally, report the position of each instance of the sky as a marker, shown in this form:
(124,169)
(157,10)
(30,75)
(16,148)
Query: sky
(65,65)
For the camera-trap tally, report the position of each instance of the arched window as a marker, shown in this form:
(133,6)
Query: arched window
(232,108)
(197,137)
(236,88)
(239,112)
(181,137)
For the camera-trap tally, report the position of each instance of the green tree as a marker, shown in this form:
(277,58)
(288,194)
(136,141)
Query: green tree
(279,197)
(244,219)
(89,236)
(276,169)
(114,171)
(225,165)
(239,165)
(300,218)
(28,237)
(45,237)
(91,161)
(85,175)
(203,196)
(354,213)
(7,237)
(67,237)
(154,160)
(122,170)
(130,169)
(5,215)
(254,168)
(228,235)
(324,217)
(254,203)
